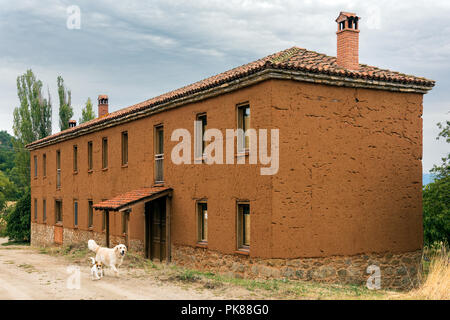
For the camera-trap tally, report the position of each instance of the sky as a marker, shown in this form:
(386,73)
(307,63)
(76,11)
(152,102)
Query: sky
(135,50)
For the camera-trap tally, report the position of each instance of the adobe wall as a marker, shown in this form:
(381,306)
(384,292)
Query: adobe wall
(350,178)
(221,185)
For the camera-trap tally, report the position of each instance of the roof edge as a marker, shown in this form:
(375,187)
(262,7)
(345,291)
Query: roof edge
(270,72)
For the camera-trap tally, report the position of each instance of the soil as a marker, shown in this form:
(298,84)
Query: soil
(25,273)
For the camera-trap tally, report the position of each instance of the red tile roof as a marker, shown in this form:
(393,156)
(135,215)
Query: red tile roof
(130,198)
(293,59)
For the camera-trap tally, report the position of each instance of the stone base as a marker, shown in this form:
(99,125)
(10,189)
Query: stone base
(397,271)
(42,235)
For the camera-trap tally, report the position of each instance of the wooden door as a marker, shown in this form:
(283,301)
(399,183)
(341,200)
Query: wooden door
(58,234)
(155,219)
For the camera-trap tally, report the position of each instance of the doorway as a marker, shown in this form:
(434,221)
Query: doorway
(155,229)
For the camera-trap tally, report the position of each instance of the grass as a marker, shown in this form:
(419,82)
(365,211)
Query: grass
(435,281)
(15,243)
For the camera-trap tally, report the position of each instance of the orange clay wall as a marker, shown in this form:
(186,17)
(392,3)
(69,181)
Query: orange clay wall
(349,178)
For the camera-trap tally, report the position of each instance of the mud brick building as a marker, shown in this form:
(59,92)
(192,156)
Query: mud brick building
(347,193)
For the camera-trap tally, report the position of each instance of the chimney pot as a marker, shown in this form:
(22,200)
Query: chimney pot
(348,40)
(102,105)
(72,123)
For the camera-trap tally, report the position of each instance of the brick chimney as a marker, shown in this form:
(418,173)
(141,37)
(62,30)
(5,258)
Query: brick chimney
(348,41)
(102,105)
(72,123)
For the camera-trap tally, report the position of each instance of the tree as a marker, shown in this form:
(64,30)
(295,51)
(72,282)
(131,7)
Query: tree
(18,223)
(32,121)
(436,198)
(65,108)
(87,113)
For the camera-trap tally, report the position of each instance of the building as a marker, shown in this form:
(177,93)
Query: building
(346,193)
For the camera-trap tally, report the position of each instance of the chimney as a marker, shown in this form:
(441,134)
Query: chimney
(102,105)
(72,123)
(348,41)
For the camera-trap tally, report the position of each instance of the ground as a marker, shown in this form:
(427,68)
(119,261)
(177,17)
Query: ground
(41,273)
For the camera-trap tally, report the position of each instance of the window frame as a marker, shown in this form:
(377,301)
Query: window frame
(124,140)
(90,157)
(200,150)
(104,153)
(240,114)
(58,169)
(35,166)
(35,209)
(44,165)
(202,233)
(158,151)
(240,226)
(125,222)
(60,213)
(75,213)
(75,158)
(44,210)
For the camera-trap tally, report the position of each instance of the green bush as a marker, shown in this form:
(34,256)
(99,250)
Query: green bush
(18,220)
(436,198)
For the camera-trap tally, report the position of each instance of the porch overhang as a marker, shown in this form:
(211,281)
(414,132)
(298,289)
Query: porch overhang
(126,200)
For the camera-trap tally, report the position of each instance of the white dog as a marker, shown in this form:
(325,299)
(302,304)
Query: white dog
(110,257)
(96,270)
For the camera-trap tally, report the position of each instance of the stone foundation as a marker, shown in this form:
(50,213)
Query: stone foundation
(398,271)
(42,235)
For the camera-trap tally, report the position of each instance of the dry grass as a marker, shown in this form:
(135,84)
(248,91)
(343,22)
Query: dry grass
(436,284)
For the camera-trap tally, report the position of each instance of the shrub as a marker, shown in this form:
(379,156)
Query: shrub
(18,220)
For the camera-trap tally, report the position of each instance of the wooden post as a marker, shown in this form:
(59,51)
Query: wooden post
(127,236)
(107,227)
(168,227)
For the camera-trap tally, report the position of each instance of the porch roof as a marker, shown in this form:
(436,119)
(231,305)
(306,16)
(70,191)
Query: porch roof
(133,197)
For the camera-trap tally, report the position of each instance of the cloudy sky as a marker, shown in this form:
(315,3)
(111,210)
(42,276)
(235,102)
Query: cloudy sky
(134,50)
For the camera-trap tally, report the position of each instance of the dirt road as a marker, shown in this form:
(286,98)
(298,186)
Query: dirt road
(27,274)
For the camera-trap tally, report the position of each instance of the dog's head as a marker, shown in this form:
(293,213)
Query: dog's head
(99,266)
(121,250)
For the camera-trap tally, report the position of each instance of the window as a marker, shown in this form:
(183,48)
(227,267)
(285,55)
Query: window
(124,148)
(90,163)
(90,214)
(244,124)
(202,213)
(58,169)
(58,211)
(75,158)
(35,209)
(75,213)
(35,166)
(159,154)
(44,210)
(243,223)
(201,129)
(105,153)
(124,222)
(44,165)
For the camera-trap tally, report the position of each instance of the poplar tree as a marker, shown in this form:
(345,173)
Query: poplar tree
(65,107)
(87,113)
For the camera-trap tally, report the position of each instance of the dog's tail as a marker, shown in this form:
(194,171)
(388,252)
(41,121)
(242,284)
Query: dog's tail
(93,246)
(92,259)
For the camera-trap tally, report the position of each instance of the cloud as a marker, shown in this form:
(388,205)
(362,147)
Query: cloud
(133,50)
